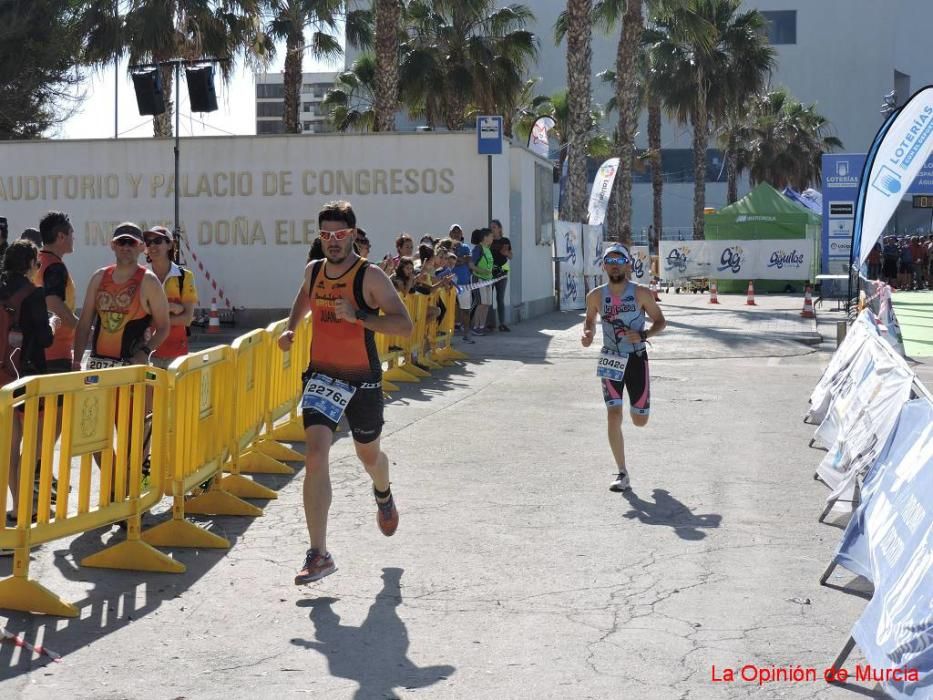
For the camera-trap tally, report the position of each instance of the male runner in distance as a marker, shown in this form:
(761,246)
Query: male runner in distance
(345,295)
(622,306)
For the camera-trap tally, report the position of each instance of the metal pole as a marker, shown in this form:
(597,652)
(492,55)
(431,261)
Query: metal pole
(116,81)
(488,189)
(177,156)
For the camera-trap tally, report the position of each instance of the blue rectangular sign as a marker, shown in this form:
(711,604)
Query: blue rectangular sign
(489,135)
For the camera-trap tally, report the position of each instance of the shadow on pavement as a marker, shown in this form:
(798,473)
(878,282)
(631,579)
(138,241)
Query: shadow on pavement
(667,510)
(116,597)
(375,654)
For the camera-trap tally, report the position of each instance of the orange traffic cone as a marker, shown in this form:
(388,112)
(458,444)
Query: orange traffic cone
(750,301)
(213,320)
(713,292)
(807,305)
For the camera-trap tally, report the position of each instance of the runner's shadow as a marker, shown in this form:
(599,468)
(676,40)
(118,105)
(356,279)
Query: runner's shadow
(667,510)
(375,654)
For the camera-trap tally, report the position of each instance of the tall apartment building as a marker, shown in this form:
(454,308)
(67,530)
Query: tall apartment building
(270,103)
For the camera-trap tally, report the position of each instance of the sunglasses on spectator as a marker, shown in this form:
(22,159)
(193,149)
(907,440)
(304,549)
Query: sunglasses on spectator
(616,260)
(126,242)
(156,240)
(339,234)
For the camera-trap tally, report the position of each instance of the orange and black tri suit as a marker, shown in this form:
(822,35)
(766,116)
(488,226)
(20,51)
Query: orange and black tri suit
(54,278)
(122,322)
(345,351)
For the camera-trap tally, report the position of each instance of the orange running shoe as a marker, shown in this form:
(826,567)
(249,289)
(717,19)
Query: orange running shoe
(387,516)
(316,567)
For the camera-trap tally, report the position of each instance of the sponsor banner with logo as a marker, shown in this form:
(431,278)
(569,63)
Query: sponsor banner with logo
(602,188)
(572,291)
(684,259)
(641,264)
(868,420)
(593,245)
(864,326)
(771,259)
(841,396)
(887,541)
(900,151)
(569,251)
(538,138)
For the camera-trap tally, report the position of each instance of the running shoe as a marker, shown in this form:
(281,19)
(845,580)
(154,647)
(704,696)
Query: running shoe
(621,483)
(468,340)
(503,327)
(387,516)
(316,567)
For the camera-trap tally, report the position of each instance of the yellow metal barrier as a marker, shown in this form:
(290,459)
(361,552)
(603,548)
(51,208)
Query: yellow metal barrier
(286,386)
(253,353)
(445,333)
(201,390)
(92,405)
(283,391)
(401,368)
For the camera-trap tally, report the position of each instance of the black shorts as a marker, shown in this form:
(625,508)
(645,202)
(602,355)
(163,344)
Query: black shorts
(364,413)
(890,268)
(637,382)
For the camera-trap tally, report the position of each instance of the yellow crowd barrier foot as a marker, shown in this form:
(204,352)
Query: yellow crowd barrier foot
(389,386)
(246,488)
(255,462)
(290,432)
(452,354)
(273,449)
(221,503)
(415,371)
(181,533)
(396,374)
(134,555)
(430,363)
(19,593)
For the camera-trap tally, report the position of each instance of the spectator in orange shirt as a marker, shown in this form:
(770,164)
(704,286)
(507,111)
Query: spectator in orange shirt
(182,295)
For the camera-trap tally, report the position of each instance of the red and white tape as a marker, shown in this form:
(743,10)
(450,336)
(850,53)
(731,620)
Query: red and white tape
(22,643)
(213,282)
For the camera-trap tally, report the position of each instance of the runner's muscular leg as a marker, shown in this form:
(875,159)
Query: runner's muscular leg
(639,420)
(317,489)
(375,462)
(616,442)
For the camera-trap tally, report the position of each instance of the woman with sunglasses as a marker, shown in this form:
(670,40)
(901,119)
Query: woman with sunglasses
(350,301)
(623,363)
(182,295)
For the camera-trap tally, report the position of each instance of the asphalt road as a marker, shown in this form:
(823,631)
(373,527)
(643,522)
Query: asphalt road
(515,573)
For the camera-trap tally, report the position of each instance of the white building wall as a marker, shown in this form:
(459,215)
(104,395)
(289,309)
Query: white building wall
(249,203)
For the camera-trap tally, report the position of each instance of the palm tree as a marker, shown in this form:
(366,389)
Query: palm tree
(606,13)
(782,142)
(352,99)
(387,17)
(289,20)
(578,28)
(153,31)
(459,53)
(703,67)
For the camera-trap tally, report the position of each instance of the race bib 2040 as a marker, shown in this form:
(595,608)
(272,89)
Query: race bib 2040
(611,366)
(327,396)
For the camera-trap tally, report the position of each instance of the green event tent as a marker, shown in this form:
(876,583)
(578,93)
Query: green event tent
(764,213)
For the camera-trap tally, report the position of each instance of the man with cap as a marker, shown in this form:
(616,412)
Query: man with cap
(126,304)
(623,363)
(182,295)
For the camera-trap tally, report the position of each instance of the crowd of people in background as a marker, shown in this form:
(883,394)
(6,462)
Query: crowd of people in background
(903,262)
(441,263)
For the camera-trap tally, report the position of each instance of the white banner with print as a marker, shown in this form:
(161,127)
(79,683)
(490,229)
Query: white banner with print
(568,245)
(593,245)
(602,188)
(776,259)
(641,264)
(868,420)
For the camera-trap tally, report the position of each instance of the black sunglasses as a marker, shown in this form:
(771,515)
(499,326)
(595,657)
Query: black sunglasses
(125,242)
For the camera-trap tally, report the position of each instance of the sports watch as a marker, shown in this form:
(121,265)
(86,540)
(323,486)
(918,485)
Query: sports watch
(361,315)
(644,335)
